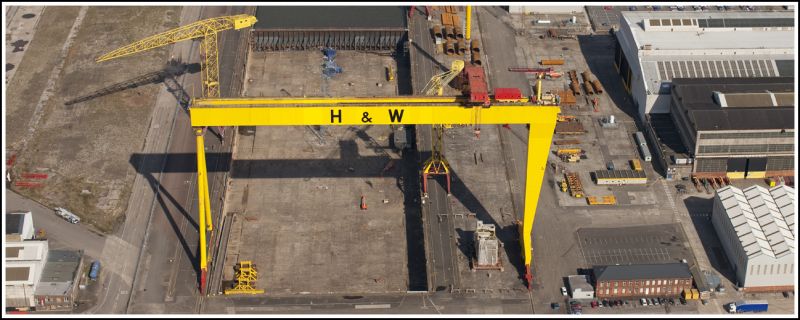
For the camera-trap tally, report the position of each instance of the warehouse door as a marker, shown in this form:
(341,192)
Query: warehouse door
(736,168)
(756,168)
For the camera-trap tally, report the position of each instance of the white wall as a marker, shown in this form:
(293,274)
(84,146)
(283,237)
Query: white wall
(580,294)
(19,296)
(30,250)
(767,271)
(545,9)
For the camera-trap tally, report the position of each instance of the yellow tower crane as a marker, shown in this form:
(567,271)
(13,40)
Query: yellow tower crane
(207,31)
(437,164)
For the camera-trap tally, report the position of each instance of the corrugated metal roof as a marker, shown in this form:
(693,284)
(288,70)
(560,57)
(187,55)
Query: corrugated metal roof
(763,219)
(642,272)
(697,98)
(691,36)
(330,17)
(620,174)
(579,282)
(59,272)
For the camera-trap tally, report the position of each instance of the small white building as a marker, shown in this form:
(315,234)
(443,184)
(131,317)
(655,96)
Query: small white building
(25,260)
(756,229)
(580,288)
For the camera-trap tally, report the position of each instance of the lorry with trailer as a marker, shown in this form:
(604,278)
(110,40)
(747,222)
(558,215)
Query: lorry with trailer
(748,306)
(69,216)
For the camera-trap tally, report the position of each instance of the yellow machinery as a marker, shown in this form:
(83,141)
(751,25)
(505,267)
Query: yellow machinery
(574,183)
(561,152)
(435,86)
(563,185)
(605,200)
(395,111)
(390,73)
(437,164)
(246,276)
(636,165)
(207,31)
(565,118)
(213,111)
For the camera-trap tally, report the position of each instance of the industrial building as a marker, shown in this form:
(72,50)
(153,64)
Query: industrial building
(620,177)
(545,9)
(58,285)
(756,229)
(642,280)
(25,261)
(580,287)
(656,47)
(376,28)
(736,127)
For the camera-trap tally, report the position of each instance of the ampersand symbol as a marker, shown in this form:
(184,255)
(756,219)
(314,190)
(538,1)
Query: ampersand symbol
(365,117)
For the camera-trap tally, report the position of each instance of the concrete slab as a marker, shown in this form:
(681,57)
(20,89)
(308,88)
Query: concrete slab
(296,191)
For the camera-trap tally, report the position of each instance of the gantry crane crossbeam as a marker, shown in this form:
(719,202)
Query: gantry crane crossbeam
(542,121)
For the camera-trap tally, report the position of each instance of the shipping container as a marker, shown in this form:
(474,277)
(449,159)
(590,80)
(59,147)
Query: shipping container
(646,156)
(552,62)
(640,140)
(507,94)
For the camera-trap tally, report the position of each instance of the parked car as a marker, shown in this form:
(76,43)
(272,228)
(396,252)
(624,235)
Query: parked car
(643,301)
(605,303)
(672,301)
(620,303)
(555,305)
(564,291)
(594,304)
(655,301)
(632,8)
(682,300)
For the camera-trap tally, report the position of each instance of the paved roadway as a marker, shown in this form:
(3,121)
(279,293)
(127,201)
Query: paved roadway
(60,233)
(164,275)
(167,279)
(443,272)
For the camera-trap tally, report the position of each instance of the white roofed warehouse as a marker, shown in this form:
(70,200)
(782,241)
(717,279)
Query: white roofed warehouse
(656,47)
(756,229)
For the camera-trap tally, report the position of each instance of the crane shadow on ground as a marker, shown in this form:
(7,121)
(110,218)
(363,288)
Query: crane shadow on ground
(349,165)
(167,75)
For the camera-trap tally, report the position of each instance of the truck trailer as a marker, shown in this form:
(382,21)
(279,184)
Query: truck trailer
(748,306)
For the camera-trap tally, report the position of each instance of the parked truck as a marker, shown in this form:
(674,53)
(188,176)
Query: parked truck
(69,216)
(748,306)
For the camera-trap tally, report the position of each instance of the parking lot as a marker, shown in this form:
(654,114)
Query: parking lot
(632,245)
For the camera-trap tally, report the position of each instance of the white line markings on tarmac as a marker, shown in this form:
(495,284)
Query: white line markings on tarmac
(373,306)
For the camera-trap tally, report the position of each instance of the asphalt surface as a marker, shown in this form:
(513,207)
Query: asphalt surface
(168,274)
(443,272)
(162,211)
(60,233)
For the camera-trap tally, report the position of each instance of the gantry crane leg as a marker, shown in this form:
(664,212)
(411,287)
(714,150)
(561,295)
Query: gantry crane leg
(202,196)
(539,139)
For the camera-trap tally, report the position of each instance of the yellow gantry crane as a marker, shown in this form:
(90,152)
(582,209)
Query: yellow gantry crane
(207,31)
(437,164)
(341,111)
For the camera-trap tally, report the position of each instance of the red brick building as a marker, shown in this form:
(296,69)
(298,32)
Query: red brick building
(642,280)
